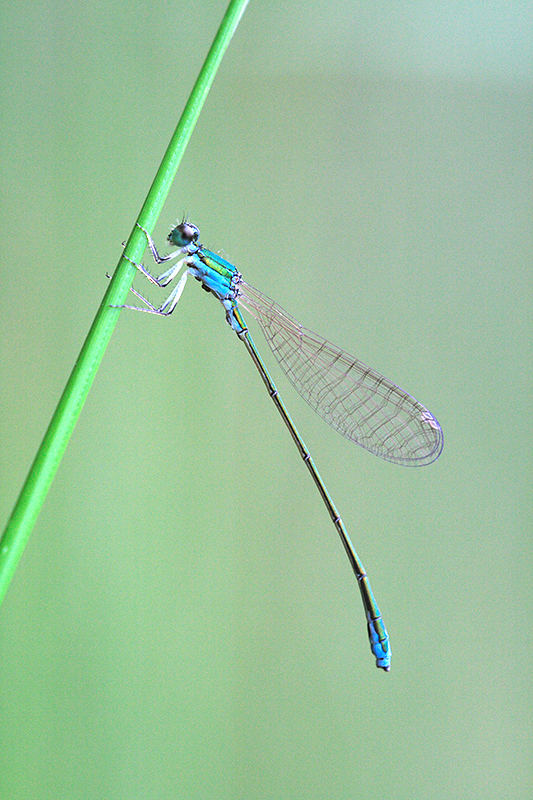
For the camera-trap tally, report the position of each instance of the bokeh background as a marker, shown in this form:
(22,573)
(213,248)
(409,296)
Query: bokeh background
(184,622)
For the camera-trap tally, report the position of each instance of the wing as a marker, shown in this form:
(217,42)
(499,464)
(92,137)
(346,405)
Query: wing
(354,399)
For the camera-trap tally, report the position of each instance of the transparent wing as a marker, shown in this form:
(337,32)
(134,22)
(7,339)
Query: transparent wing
(354,399)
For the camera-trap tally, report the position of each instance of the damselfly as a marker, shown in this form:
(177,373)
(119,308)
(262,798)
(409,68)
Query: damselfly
(354,399)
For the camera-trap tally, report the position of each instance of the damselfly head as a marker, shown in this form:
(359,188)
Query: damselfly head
(184,235)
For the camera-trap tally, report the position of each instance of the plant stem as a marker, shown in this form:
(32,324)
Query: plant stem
(50,453)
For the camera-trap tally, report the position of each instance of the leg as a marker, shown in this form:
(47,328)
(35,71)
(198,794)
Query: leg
(168,306)
(163,279)
(151,244)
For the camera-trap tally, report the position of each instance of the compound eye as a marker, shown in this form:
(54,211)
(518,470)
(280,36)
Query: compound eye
(190,231)
(184,234)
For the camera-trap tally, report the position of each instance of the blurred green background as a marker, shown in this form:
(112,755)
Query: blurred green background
(184,622)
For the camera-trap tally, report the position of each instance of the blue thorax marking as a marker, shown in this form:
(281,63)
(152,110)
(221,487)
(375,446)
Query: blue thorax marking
(222,279)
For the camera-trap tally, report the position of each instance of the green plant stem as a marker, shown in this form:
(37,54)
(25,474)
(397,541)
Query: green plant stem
(62,424)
